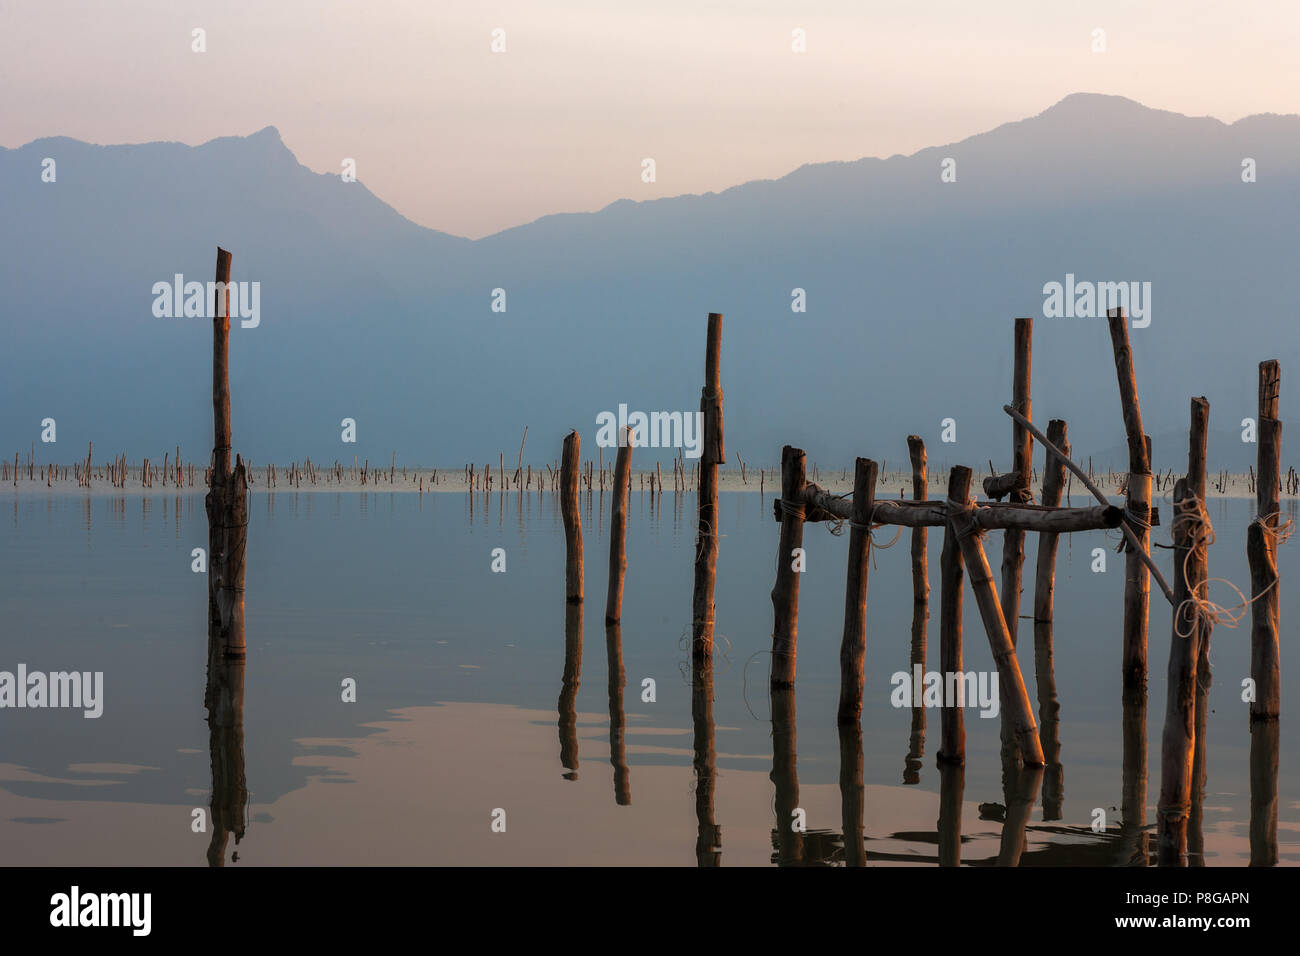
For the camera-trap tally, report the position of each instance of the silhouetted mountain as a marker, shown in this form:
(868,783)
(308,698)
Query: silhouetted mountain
(911,286)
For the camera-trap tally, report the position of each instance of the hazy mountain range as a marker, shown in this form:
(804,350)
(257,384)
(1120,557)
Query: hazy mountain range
(911,287)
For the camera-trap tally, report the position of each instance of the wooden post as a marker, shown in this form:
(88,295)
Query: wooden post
(1261,550)
(952,785)
(1019,711)
(1180,711)
(1200,421)
(227,499)
(1013,542)
(1049,706)
(1137,581)
(853,645)
(618,531)
(569,468)
(785,594)
(712,454)
(952,720)
(224,699)
(920,606)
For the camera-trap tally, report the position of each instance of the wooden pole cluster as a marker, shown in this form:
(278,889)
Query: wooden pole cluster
(227,499)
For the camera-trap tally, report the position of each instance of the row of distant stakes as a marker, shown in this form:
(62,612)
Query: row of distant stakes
(964,521)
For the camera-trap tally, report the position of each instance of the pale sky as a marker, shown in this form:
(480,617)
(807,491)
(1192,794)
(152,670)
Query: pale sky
(468,141)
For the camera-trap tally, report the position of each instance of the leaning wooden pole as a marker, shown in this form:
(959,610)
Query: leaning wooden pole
(1049,705)
(952,720)
(569,469)
(1261,551)
(618,531)
(785,593)
(1020,711)
(712,454)
(853,646)
(227,499)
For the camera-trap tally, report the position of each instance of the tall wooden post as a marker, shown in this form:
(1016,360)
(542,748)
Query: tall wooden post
(852,794)
(920,606)
(1137,580)
(853,645)
(712,454)
(785,593)
(1013,542)
(952,720)
(1049,705)
(617,719)
(1261,550)
(1019,712)
(569,470)
(1180,710)
(227,499)
(1196,457)
(618,531)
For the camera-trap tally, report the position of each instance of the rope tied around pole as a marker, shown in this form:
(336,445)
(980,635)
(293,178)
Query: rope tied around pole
(1193,513)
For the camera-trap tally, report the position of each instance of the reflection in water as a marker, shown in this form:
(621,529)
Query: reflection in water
(708,838)
(568,703)
(1264,740)
(787,840)
(1134,845)
(952,787)
(617,721)
(1022,794)
(852,792)
(1049,711)
(224,699)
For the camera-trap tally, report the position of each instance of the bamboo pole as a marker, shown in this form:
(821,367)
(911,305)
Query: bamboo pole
(1019,711)
(1180,711)
(569,468)
(785,593)
(1261,550)
(1049,705)
(952,720)
(853,645)
(712,454)
(618,531)
(227,499)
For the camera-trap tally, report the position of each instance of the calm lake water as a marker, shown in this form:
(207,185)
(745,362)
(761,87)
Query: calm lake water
(460,709)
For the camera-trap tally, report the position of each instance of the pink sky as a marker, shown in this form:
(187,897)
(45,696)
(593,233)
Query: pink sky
(470,142)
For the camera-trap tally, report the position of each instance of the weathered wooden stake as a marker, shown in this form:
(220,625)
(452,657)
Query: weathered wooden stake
(1137,580)
(952,720)
(712,454)
(1180,710)
(569,469)
(1019,710)
(1261,550)
(618,531)
(227,499)
(785,593)
(853,645)
(1049,705)
(920,607)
